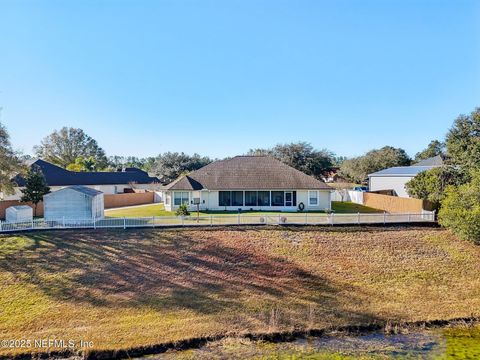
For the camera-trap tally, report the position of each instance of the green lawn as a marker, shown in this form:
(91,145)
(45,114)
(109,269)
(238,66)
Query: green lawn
(159,210)
(122,289)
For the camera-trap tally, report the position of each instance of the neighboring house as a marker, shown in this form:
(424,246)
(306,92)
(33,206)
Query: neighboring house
(248,183)
(393,179)
(73,203)
(113,182)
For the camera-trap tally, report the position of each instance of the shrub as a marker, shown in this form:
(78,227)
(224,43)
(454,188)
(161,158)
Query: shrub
(431,184)
(460,210)
(182,210)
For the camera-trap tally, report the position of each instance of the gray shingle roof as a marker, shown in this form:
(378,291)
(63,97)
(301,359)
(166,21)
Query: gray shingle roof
(57,176)
(247,172)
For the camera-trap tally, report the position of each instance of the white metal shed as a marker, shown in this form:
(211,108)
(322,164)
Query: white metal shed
(19,213)
(73,203)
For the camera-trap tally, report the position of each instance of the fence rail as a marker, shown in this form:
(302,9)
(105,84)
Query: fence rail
(221,220)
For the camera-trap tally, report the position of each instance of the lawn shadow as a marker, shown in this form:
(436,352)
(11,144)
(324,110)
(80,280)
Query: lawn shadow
(180,270)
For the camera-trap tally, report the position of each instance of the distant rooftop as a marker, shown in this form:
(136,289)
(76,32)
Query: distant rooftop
(57,176)
(413,170)
(433,161)
(401,171)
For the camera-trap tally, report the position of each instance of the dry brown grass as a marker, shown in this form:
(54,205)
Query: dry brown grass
(123,289)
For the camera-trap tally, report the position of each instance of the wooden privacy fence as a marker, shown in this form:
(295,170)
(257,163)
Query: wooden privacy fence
(128,199)
(222,220)
(110,201)
(395,204)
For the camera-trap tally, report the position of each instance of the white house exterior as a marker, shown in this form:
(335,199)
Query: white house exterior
(248,183)
(394,179)
(108,182)
(73,203)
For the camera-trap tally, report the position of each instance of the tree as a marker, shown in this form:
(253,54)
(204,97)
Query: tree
(64,146)
(118,162)
(301,156)
(170,165)
(434,148)
(463,140)
(431,184)
(82,164)
(10,163)
(35,187)
(358,168)
(460,210)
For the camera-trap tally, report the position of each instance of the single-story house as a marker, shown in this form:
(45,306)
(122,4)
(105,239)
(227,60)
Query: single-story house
(393,179)
(73,203)
(248,183)
(108,182)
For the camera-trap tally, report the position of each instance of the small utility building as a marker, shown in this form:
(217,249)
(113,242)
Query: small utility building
(73,203)
(19,213)
(393,179)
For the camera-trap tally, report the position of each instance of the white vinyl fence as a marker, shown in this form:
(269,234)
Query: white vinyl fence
(221,220)
(347,195)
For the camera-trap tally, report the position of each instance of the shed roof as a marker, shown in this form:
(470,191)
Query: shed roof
(82,189)
(247,172)
(20,207)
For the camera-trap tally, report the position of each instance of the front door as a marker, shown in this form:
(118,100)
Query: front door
(288,198)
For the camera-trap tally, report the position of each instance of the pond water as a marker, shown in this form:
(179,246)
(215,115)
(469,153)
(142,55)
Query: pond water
(459,342)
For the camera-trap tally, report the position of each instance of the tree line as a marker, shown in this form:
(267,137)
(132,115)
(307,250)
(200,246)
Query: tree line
(453,188)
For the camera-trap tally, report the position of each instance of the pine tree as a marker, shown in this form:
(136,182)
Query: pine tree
(35,187)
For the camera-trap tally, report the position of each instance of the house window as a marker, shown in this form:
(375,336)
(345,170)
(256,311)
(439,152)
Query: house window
(263,198)
(313,198)
(224,198)
(180,197)
(278,198)
(250,198)
(237,198)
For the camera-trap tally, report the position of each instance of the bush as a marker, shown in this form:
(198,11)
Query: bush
(460,210)
(431,184)
(182,210)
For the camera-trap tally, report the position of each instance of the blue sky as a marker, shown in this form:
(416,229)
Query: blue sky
(220,77)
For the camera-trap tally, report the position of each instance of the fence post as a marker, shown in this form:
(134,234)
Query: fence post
(278,221)
(183,220)
(33,224)
(238,219)
(358,218)
(153,221)
(94,223)
(124,223)
(63,222)
(408,217)
(331,218)
(306,218)
(1,222)
(384,217)
(211,220)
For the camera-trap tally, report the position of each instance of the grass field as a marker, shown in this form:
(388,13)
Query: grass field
(123,289)
(159,210)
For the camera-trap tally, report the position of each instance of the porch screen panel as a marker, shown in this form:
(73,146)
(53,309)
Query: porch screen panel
(237,198)
(263,198)
(224,198)
(250,198)
(278,198)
